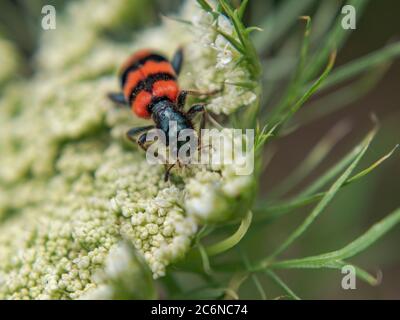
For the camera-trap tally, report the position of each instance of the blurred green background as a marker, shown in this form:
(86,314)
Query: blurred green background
(365,202)
(356,207)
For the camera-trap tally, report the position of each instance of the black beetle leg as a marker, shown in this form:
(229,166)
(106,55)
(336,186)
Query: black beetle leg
(195,109)
(184,93)
(142,139)
(203,93)
(192,112)
(167,172)
(181,99)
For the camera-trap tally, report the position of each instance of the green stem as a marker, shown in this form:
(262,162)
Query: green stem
(283,285)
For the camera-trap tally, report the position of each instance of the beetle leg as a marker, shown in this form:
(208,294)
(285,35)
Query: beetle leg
(177,60)
(167,172)
(192,112)
(198,93)
(118,98)
(195,109)
(181,99)
(142,139)
(184,93)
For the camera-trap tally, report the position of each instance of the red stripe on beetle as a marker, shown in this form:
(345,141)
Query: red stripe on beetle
(141,103)
(134,58)
(153,67)
(132,81)
(167,88)
(150,68)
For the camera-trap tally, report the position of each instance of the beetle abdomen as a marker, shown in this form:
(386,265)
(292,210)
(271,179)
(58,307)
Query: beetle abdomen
(147,75)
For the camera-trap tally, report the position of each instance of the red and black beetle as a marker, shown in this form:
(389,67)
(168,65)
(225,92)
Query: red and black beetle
(150,88)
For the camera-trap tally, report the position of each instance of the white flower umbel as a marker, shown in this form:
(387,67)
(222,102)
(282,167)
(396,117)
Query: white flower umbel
(220,191)
(71,187)
(8,60)
(64,241)
(125,276)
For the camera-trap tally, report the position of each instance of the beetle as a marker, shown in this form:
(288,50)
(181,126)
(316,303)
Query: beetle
(149,87)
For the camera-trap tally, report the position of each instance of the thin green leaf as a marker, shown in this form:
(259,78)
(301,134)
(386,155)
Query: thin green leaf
(372,235)
(279,22)
(251,29)
(340,98)
(281,284)
(177,19)
(233,240)
(371,167)
(263,137)
(334,40)
(205,5)
(234,285)
(204,259)
(242,9)
(226,7)
(232,41)
(303,200)
(354,178)
(324,19)
(244,44)
(295,85)
(254,277)
(240,30)
(247,85)
(237,24)
(313,88)
(326,199)
(304,47)
(274,211)
(360,273)
(331,173)
(313,159)
(203,232)
(362,64)
(259,286)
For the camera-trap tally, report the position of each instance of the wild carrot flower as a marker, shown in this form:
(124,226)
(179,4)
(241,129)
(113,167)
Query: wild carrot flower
(81,189)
